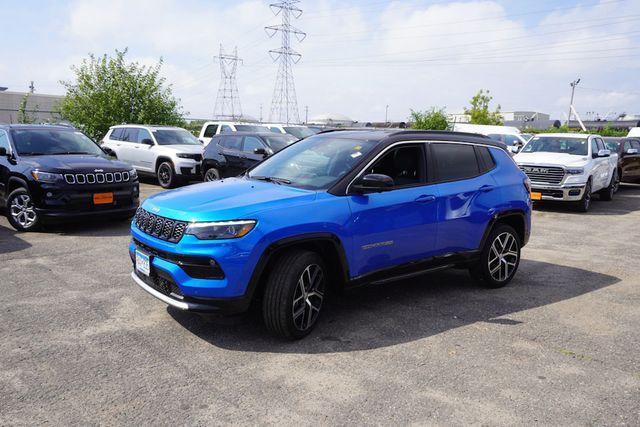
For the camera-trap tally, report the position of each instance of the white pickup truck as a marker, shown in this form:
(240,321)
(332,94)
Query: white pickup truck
(569,167)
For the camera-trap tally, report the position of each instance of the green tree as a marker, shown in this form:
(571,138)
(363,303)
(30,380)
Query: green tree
(479,110)
(434,119)
(108,91)
(23,112)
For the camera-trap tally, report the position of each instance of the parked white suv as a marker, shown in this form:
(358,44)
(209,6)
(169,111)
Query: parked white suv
(211,129)
(508,135)
(299,131)
(569,167)
(171,154)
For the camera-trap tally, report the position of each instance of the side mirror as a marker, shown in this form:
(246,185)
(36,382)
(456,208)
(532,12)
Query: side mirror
(514,149)
(260,151)
(147,141)
(632,151)
(373,183)
(108,152)
(604,153)
(3,151)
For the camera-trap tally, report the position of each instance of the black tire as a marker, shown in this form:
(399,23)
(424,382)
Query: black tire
(502,244)
(606,194)
(21,211)
(211,174)
(584,204)
(166,175)
(283,294)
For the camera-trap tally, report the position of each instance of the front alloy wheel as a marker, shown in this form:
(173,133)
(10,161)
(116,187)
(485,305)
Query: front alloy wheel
(212,174)
(585,203)
(294,293)
(166,175)
(21,211)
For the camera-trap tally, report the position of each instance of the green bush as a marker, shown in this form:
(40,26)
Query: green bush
(434,119)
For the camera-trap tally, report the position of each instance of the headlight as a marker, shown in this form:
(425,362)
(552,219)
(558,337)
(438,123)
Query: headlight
(186,156)
(45,176)
(220,229)
(133,174)
(575,171)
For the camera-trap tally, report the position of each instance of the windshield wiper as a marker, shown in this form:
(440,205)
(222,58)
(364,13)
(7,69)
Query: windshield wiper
(69,152)
(33,153)
(274,179)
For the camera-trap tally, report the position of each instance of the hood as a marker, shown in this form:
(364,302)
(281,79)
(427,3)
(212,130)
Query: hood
(73,162)
(555,159)
(227,199)
(184,148)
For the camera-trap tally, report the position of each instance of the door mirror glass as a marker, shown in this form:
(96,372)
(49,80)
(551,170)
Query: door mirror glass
(514,149)
(604,153)
(632,151)
(260,152)
(373,183)
(147,141)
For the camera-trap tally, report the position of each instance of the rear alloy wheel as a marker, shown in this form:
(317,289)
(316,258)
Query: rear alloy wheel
(212,174)
(607,193)
(584,204)
(294,294)
(166,175)
(21,211)
(499,259)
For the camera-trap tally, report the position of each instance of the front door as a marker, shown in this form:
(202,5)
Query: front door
(249,146)
(4,165)
(397,226)
(231,149)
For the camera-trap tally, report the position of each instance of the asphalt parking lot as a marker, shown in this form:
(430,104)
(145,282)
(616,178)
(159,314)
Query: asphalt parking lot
(81,344)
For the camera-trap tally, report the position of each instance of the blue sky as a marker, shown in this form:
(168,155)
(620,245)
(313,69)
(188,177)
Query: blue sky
(358,57)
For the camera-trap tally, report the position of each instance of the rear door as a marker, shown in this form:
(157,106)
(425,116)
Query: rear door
(231,149)
(249,145)
(397,226)
(633,160)
(603,166)
(466,195)
(125,149)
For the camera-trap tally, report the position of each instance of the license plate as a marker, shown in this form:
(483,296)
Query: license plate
(536,196)
(143,263)
(102,198)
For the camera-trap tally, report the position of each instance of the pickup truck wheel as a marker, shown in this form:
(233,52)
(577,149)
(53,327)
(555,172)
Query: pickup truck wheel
(166,175)
(21,211)
(294,294)
(499,259)
(584,204)
(212,174)
(607,193)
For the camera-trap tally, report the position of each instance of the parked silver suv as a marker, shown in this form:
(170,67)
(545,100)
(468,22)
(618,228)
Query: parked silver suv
(171,154)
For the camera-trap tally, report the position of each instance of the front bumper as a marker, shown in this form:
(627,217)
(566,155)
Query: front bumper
(562,193)
(188,168)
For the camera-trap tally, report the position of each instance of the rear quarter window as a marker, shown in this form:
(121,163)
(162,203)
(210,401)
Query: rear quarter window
(485,159)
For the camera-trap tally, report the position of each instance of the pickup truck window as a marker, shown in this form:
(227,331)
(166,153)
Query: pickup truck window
(557,144)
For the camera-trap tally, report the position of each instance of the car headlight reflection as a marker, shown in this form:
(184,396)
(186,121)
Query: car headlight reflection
(220,229)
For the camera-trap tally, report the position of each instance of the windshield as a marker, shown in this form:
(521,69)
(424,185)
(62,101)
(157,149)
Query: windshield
(299,131)
(314,163)
(175,137)
(36,142)
(277,143)
(251,128)
(557,144)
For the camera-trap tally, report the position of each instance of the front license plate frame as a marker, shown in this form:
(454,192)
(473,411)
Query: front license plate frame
(143,263)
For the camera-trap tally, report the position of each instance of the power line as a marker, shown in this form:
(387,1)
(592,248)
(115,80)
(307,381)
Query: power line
(228,101)
(284,106)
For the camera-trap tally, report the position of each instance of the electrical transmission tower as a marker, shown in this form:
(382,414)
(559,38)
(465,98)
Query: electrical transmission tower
(284,107)
(228,101)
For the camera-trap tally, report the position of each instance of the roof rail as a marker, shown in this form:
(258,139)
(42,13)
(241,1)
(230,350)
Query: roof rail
(438,132)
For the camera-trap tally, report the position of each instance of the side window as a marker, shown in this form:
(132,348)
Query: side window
(600,144)
(627,146)
(226,129)
(486,159)
(210,131)
(404,164)
(636,145)
(4,140)
(251,143)
(455,161)
(594,148)
(130,135)
(232,142)
(116,135)
(143,134)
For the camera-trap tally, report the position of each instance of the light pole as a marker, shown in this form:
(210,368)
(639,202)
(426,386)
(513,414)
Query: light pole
(573,85)
(386,114)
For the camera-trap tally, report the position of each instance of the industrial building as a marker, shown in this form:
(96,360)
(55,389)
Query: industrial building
(39,107)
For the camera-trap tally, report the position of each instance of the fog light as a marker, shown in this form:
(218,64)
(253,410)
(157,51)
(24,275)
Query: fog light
(49,194)
(574,192)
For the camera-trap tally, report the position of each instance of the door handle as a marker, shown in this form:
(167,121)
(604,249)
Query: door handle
(425,198)
(487,188)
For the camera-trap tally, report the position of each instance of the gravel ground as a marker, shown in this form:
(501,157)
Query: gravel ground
(81,344)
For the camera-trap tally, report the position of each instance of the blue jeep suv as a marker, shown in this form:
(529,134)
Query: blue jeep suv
(333,211)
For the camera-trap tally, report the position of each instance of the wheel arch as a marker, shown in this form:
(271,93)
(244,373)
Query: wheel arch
(514,218)
(162,159)
(328,245)
(15,182)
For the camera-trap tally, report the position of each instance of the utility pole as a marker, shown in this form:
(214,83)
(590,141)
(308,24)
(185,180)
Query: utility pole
(260,113)
(228,100)
(573,85)
(32,88)
(284,106)
(386,114)
(306,114)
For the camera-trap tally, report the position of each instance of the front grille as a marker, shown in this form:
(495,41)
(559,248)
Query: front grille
(546,175)
(97,178)
(160,227)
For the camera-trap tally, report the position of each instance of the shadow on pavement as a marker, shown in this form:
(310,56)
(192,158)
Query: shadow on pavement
(104,227)
(381,316)
(10,242)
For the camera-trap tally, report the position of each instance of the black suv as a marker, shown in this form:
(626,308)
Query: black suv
(51,172)
(231,154)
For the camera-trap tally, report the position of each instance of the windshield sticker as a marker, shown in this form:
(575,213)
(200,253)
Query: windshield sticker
(358,154)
